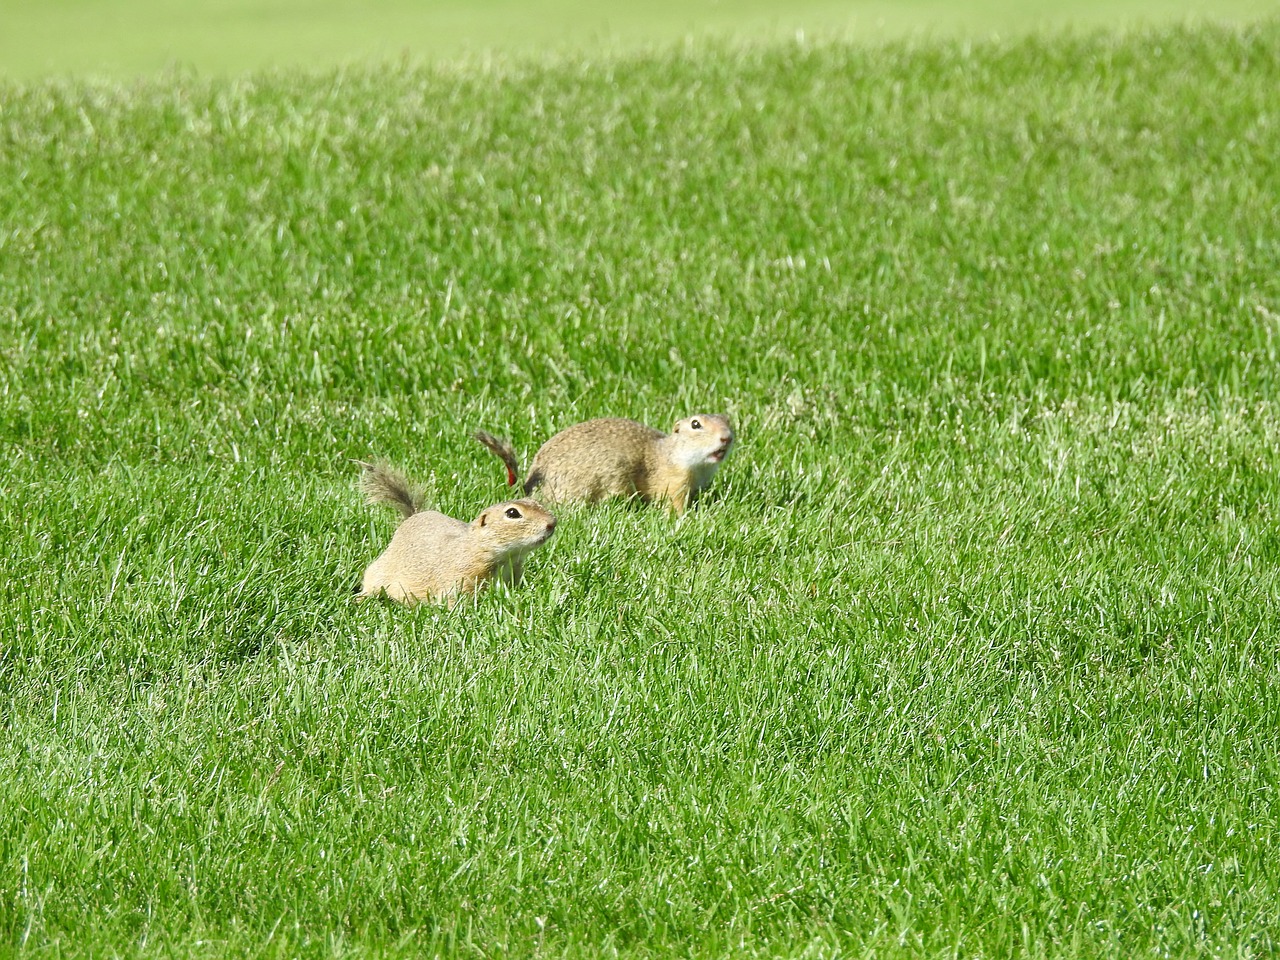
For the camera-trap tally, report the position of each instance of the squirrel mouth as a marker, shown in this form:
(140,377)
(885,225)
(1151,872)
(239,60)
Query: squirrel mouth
(715,456)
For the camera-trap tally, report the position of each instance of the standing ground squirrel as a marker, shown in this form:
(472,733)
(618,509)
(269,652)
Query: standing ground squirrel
(434,557)
(615,457)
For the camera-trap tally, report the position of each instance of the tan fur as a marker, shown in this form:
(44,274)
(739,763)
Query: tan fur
(435,557)
(615,457)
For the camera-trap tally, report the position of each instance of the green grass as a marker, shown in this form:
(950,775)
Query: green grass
(970,652)
(126,37)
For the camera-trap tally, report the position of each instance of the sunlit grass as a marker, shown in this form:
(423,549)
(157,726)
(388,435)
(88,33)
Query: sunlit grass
(969,651)
(123,38)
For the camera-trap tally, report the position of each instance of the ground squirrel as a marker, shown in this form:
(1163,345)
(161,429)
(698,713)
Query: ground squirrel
(615,457)
(434,557)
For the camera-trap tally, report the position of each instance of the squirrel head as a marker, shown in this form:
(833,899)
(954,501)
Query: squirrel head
(703,439)
(515,526)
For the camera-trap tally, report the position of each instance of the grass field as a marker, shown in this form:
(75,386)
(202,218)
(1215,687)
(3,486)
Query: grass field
(126,37)
(970,652)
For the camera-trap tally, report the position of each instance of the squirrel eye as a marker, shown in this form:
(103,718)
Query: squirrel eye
(513,513)
(696,424)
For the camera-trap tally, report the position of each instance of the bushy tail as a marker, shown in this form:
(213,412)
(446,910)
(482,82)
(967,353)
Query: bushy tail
(504,452)
(381,483)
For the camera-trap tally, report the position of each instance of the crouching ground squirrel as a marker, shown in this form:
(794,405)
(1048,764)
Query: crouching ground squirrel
(434,557)
(615,457)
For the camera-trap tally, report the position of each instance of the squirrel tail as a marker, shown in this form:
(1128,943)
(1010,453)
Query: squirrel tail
(381,483)
(503,451)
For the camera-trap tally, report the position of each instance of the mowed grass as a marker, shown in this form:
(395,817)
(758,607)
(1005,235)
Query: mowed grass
(123,38)
(970,651)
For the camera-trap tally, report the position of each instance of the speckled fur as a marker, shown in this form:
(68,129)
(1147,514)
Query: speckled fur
(616,457)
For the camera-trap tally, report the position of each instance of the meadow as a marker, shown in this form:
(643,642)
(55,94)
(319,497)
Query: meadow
(125,38)
(969,652)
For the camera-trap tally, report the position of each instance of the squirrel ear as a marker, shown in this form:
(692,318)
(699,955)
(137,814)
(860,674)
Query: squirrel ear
(482,519)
